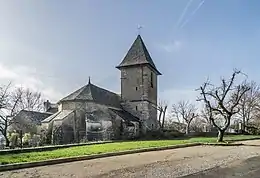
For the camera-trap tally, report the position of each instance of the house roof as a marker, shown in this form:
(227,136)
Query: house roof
(125,115)
(34,116)
(137,55)
(96,94)
(58,116)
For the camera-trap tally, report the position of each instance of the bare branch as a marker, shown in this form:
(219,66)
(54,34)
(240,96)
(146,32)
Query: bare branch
(185,111)
(12,101)
(223,100)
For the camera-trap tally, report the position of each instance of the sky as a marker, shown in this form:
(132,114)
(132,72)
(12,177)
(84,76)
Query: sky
(54,46)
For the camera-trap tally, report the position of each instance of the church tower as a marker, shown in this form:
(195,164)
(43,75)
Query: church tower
(139,83)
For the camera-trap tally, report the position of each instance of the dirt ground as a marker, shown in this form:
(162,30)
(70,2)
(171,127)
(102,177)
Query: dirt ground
(199,161)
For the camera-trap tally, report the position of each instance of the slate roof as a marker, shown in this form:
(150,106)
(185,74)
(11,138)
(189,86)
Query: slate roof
(137,55)
(96,94)
(58,116)
(125,115)
(34,116)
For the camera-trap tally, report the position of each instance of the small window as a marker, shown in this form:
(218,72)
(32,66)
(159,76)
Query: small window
(136,108)
(151,79)
(136,88)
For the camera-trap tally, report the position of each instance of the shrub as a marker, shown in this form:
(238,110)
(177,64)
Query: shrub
(14,140)
(26,138)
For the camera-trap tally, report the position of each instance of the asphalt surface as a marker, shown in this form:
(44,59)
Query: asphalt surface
(192,162)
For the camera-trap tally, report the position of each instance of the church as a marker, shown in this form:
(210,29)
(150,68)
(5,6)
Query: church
(94,113)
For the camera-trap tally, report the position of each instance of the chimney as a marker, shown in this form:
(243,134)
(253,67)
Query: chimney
(46,105)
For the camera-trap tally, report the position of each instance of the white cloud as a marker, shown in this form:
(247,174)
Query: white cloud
(27,77)
(172,46)
(6,74)
(14,55)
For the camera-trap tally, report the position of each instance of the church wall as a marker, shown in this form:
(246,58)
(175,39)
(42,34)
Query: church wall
(60,107)
(101,111)
(79,108)
(145,79)
(150,84)
(131,83)
(67,132)
(103,117)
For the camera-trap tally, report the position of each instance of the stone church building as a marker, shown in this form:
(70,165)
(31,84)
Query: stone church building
(94,113)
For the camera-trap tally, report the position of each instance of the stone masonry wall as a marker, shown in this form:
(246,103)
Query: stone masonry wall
(137,85)
(80,125)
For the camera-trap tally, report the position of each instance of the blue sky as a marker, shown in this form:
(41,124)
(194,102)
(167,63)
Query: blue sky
(54,46)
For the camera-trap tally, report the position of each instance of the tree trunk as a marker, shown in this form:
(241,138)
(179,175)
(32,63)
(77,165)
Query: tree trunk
(188,129)
(244,125)
(220,135)
(163,119)
(160,117)
(7,142)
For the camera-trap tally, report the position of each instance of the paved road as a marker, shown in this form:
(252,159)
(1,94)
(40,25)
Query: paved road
(193,162)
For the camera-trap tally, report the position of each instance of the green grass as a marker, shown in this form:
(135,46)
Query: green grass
(105,148)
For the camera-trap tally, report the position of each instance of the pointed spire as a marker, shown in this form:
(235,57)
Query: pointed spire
(137,55)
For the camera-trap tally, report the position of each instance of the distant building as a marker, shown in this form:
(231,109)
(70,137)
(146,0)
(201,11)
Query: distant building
(27,121)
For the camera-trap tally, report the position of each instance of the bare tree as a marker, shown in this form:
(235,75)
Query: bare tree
(198,124)
(8,104)
(186,111)
(222,101)
(249,104)
(162,107)
(30,100)
(205,114)
(12,101)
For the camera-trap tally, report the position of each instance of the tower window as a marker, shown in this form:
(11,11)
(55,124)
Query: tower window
(136,88)
(151,79)
(136,108)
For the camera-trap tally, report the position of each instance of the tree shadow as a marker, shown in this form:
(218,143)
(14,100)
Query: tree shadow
(249,168)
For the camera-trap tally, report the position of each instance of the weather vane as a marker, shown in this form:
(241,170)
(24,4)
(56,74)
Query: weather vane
(139,27)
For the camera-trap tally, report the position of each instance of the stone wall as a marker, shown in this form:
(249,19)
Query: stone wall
(139,92)
(64,130)
(79,108)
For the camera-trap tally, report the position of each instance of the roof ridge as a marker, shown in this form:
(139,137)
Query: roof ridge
(94,93)
(104,89)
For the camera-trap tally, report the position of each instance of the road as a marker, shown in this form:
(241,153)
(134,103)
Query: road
(193,162)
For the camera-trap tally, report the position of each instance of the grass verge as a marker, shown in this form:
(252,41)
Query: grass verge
(108,147)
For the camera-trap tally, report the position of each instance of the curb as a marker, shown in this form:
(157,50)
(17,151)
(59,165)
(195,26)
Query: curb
(223,144)
(16,166)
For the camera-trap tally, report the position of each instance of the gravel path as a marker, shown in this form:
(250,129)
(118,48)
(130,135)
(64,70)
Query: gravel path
(199,161)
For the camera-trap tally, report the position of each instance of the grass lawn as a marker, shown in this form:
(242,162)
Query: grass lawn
(105,148)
